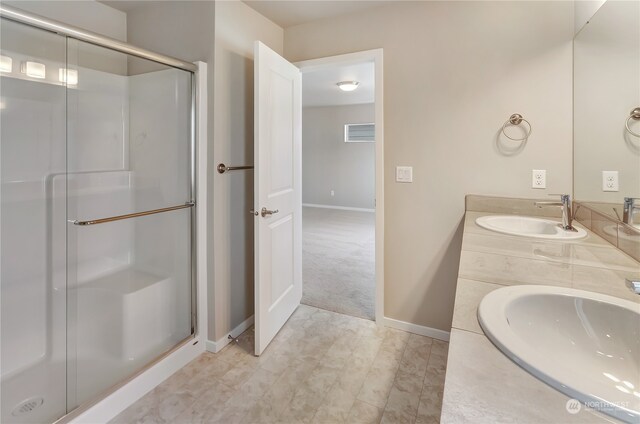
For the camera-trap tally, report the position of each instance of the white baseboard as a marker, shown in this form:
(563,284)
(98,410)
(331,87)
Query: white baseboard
(210,346)
(218,345)
(417,329)
(344,208)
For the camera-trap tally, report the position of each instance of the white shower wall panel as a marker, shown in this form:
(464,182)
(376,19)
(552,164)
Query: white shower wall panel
(24,276)
(34,218)
(32,134)
(97,122)
(131,277)
(98,180)
(98,250)
(33,302)
(159,110)
(33,130)
(160,105)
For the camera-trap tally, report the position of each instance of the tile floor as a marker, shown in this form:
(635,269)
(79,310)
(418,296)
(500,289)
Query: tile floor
(322,367)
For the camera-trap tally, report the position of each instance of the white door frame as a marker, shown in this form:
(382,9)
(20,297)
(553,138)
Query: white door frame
(375,57)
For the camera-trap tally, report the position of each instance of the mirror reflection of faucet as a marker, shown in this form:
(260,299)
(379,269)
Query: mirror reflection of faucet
(630,207)
(622,232)
(615,210)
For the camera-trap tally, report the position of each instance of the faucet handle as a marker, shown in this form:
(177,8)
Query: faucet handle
(630,202)
(633,284)
(563,197)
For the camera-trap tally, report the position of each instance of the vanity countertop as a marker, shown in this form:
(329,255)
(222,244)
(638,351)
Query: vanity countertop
(484,386)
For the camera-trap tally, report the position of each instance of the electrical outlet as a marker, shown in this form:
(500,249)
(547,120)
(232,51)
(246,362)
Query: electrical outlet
(404,174)
(610,181)
(333,193)
(539,178)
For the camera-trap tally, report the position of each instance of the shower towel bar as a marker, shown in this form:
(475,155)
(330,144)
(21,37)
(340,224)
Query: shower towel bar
(132,215)
(222,168)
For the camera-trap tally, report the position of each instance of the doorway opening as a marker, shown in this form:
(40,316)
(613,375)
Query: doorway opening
(342,184)
(278,185)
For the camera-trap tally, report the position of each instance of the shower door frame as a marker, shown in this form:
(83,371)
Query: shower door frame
(198,212)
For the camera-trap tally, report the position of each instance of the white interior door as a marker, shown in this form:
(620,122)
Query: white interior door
(278,192)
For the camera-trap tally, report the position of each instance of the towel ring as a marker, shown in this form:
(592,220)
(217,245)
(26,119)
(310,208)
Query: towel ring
(516,119)
(635,115)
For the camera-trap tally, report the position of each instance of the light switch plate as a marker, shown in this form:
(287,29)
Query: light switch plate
(610,181)
(539,178)
(404,174)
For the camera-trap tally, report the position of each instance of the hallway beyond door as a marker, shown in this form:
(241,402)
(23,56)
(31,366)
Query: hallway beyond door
(338,261)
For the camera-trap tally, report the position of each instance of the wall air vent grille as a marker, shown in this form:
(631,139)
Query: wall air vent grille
(359,133)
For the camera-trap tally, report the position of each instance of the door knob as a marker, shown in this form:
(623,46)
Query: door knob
(264,212)
(253,212)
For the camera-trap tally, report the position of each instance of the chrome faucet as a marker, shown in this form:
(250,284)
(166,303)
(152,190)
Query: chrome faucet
(633,284)
(567,214)
(630,206)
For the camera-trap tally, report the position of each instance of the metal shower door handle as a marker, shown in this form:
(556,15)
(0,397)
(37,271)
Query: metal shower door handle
(264,212)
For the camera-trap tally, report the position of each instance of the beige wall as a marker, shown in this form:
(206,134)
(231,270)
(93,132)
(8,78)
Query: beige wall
(453,73)
(237,27)
(89,15)
(182,29)
(328,163)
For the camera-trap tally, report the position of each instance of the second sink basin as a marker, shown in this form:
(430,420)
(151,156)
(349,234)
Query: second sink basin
(584,344)
(528,227)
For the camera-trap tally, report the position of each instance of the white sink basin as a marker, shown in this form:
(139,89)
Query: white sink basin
(584,344)
(528,227)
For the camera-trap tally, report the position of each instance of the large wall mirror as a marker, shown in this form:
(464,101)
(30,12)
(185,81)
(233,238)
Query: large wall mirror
(606,92)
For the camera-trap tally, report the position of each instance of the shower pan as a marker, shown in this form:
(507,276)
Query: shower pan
(97,218)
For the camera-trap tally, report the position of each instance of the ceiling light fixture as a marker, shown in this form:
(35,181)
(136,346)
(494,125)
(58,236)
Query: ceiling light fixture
(348,85)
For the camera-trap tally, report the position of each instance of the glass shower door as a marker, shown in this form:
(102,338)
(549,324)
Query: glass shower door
(129,256)
(32,225)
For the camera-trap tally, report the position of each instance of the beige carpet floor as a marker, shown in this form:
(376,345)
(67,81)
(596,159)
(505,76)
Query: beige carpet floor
(338,261)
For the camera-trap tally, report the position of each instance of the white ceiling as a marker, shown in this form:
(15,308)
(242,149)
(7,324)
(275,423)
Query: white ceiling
(285,13)
(125,6)
(289,13)
(319,87)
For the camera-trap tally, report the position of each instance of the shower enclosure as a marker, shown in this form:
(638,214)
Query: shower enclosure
(96,218)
